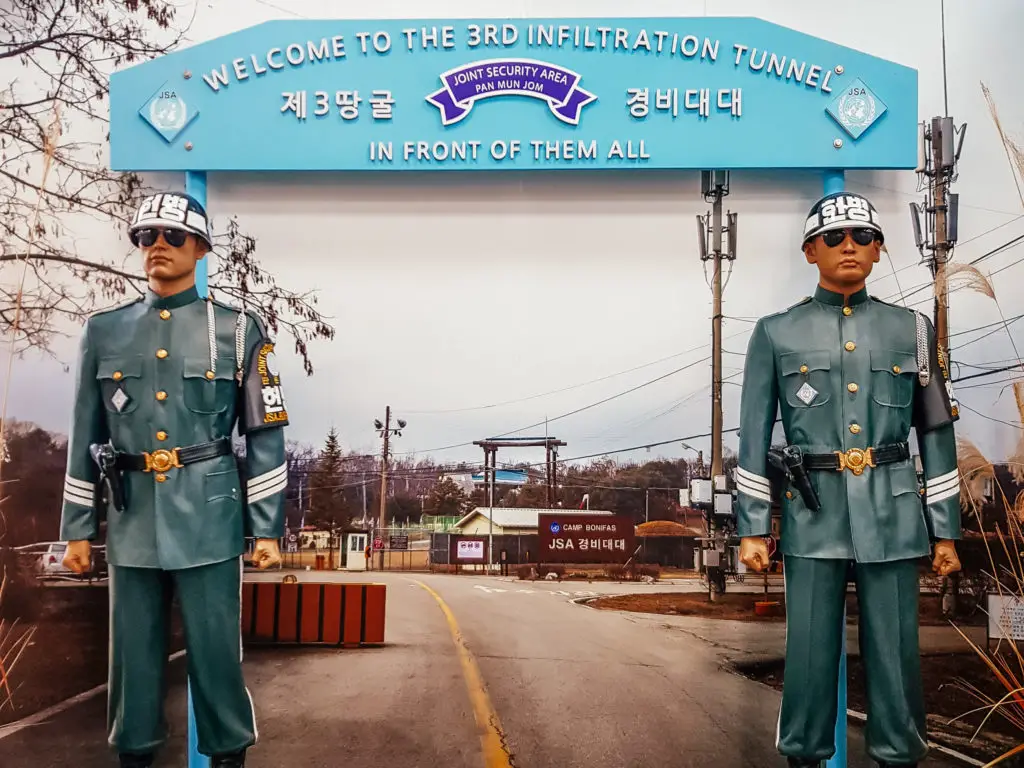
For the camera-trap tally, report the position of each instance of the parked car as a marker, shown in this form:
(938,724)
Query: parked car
(46,559)
(50,561)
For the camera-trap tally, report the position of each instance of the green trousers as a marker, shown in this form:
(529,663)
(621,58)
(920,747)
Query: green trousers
(210,600)
(887,596)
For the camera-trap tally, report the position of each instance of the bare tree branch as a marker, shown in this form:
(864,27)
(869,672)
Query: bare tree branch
(68,50)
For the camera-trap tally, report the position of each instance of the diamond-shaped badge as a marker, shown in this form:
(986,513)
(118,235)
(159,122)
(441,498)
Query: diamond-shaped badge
(856,108)
(168,112)
(119,399)
(807,393)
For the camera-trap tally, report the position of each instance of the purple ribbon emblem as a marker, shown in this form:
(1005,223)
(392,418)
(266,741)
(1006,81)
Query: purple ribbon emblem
(504,77)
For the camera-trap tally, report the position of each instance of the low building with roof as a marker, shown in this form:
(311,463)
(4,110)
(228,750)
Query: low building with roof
(514,521)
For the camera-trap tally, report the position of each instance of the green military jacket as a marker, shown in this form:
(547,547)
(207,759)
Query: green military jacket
(845,375)
(160,373)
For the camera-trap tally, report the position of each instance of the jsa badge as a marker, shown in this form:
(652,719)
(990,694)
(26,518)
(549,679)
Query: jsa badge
(274,409)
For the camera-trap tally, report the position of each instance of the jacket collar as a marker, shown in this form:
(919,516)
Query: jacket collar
(837,300)
(174,301)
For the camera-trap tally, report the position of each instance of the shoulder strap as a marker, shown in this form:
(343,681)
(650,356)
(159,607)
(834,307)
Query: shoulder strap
(211,331)
(240,343)
(924,374)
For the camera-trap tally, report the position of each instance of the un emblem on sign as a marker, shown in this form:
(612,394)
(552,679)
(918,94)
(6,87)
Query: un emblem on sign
(167,113)
(555,527)
(856,108)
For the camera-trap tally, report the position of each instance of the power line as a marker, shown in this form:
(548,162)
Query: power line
(988,372)
(1003,326)
(986,325)
(563,389)
(570,413)
(991,418)
(1011,243)
(986,384)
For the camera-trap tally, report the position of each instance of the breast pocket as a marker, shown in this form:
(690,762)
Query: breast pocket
(892,377)
(206,391)
(806,378)
(120,380)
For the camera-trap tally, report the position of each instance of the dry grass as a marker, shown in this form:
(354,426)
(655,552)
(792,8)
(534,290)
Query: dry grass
(1016,460)
(1006,661)
(14,639)
(975,471)
(966,274)
(1014,153)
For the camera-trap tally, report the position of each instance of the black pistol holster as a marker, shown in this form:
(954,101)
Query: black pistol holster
(789,461)
(105,456)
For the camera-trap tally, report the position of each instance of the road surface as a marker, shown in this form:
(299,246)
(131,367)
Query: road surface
(563,686)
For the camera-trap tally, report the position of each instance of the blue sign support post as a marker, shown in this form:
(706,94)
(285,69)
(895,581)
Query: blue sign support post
(195,185)
(835,181)
(539,94)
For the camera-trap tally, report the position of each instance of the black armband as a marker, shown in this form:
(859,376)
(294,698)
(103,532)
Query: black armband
(263,403)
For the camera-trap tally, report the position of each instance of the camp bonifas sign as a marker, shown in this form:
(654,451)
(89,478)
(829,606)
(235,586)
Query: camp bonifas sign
(585,538)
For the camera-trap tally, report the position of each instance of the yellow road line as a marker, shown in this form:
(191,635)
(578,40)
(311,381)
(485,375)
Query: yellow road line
(492,738)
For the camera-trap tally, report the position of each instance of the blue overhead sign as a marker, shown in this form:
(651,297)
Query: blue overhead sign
(686,93)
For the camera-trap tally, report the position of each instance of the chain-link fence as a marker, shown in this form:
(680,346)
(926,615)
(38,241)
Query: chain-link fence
(404,549)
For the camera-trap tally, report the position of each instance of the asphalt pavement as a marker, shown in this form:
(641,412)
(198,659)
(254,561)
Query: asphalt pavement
(553,683)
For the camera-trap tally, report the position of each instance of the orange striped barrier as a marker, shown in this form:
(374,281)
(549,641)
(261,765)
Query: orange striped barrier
(308,613)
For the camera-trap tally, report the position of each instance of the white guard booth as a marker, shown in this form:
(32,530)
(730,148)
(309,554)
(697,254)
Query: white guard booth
(355,557)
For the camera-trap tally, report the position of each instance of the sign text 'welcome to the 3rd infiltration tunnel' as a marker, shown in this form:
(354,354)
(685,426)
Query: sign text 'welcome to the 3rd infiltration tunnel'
(523,94)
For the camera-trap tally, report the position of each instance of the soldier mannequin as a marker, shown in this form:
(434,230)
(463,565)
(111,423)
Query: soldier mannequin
(852,375)
(161,383)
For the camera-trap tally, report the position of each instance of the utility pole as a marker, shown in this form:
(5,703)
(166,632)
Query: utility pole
(938,151)
(715,186)
(385,431)
(939,147)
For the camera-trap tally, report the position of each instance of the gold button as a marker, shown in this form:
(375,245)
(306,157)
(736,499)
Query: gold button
(789,494)
(160,478)
(847,311)
(850,346)
(165,314)
(209,375)
(803,369)
(117,375)
(921,491)
(896,369)
(161,395)
(855,428)
(161,435)
(852,387)
(161,353)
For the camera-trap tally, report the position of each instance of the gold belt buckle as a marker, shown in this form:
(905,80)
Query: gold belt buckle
(162,460)
(856,459)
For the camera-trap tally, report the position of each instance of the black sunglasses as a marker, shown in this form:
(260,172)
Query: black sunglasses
(860,235)
(146,237)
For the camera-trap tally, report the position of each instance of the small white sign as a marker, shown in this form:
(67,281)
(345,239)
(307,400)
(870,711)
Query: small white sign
(470,550)
(1005,617)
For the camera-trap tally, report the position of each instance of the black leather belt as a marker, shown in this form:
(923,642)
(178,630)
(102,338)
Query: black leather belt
(856,459)
(164,459)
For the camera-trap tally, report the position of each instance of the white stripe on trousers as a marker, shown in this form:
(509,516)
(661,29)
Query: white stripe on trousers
(241,651)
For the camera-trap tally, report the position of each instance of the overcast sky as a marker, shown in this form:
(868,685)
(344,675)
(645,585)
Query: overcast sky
(588,286)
